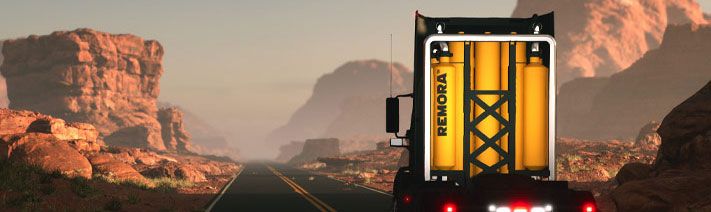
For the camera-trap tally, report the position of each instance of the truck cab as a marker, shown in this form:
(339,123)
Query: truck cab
(482,128)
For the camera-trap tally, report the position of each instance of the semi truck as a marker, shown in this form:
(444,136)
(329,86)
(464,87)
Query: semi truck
(482,127)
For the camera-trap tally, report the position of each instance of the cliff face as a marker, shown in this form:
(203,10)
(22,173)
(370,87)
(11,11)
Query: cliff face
(603,37)
(3,87)
(110,81)
(175,137)
(615,107)
(347,104)
(679,178)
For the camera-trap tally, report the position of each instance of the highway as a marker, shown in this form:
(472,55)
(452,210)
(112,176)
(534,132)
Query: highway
(278,187)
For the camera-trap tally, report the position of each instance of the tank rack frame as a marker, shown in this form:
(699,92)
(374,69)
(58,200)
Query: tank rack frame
(506,96)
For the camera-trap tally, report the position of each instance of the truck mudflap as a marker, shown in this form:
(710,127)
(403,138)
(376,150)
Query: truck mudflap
(494,192)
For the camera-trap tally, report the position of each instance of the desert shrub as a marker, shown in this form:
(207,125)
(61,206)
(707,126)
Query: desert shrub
(166,184)
(133,199)
(80,186)
(113,205)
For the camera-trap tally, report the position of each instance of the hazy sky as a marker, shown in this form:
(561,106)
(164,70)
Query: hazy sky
(245,66)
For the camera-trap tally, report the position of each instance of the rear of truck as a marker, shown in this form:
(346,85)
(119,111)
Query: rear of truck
(482,132)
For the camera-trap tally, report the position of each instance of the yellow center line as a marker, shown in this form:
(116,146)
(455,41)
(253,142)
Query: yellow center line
(301,191)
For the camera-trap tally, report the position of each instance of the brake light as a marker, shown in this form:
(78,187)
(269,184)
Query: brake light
(407,199)
(449,207)
(589,207)
(521,207)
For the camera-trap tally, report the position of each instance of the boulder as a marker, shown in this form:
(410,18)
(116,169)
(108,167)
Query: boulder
(81,136)
(108,166)
(633,171)
(648,139)
(176,170)
(108,80)
(50,154)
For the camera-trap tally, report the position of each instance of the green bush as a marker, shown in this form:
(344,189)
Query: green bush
(81,187)
(113,205)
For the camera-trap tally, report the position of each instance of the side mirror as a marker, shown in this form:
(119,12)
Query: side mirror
(392,115)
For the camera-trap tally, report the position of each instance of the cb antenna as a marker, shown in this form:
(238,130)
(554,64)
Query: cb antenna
(391,65)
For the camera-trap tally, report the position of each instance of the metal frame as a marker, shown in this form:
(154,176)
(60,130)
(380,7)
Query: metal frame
(471,93)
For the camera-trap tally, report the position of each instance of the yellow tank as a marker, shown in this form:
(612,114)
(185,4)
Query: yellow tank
(433,63)
(486,77)
(535,115)
(444,89)
(520,64)
(504,111)
(457,59)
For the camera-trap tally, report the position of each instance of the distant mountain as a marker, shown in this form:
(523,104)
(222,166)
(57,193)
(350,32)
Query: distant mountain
(598,38)
(617,106)
(348,104)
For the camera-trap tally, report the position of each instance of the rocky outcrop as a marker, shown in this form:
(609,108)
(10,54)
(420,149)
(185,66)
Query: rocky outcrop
(81,136)
(288,151)
(108,166)
(3,88)
(603,37)
(677,179)
(174,135)
(345,102)
(108,80)
(315,148)
(648,138)
(50,154)
(615,107)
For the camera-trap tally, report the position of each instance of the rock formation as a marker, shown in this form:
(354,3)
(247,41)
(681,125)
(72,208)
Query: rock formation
(174,135)
(648,138)
(615,107)
(314,148)
(346,104)
(108,80)
(602,37)
(205,139)
(288,151)
(679,178)
(3,87)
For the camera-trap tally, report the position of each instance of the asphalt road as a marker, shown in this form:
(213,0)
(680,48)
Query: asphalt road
(278,187)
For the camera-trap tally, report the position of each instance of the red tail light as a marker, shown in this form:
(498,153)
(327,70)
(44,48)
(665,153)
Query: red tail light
(589,207)
(406,199)
(449,207)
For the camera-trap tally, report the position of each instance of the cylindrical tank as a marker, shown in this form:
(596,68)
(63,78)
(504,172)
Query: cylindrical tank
(444,89)
(486,77)
(504,110)
(457,59)
(535,115)
(520,64)
(433,62)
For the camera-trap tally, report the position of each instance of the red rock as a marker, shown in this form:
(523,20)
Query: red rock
(602,37)
(175,137)
(50,154)
(683,165)
(105,164)
(176,170)
(81,136)
(615,107)
(110,81)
